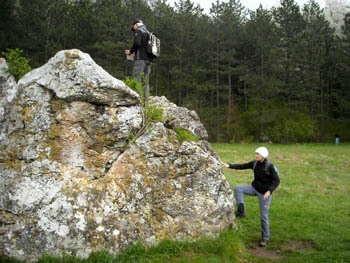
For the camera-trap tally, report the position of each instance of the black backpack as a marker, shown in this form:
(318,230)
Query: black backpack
(267,167)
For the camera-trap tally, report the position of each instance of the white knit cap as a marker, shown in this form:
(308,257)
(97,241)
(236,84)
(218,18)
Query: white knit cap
(263,152)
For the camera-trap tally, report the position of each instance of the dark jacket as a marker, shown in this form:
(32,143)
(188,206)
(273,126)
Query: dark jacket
(263,180)
(140,44)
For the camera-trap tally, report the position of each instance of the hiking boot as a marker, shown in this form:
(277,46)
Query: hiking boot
(240,211)
(263,243)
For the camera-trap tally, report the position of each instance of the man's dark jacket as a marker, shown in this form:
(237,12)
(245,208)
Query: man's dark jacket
(263,180)
(140,44)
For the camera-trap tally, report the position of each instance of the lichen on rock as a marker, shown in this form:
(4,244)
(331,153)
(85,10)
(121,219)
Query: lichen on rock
(72,182)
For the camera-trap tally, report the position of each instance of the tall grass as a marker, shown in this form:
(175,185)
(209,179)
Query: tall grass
(311,206)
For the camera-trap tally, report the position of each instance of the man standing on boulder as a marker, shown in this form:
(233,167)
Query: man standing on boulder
(143,60)
(266,180)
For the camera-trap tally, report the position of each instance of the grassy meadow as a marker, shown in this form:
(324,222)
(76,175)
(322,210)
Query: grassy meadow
(309,214)
(310,210)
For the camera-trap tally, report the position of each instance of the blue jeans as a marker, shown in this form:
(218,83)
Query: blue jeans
(241,190)
(145,67)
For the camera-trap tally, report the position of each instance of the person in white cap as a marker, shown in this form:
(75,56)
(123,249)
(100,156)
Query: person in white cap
(266,180)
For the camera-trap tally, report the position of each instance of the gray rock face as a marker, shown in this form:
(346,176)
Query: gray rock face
(8,89)
(180,117)
(70,180)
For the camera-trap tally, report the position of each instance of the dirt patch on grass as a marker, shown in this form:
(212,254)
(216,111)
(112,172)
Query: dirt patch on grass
(295,245)
(262,252)
(298,245)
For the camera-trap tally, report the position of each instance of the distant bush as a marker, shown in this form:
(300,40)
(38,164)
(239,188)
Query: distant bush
(18,65)
(292,126)
(279,125)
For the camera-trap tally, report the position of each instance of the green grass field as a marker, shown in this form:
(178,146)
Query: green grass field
(310,210)
(309,215)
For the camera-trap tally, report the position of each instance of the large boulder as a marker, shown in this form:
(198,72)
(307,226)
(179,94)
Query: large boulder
(77,175)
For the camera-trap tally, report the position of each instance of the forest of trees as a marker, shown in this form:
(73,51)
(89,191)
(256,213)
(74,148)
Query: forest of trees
(279,75)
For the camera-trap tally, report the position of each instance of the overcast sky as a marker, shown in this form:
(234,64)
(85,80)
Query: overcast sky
(250,4)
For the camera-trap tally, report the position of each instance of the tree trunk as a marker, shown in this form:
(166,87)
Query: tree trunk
(168,86)
(217,90)
(262,66)
(245,96)
(229,92)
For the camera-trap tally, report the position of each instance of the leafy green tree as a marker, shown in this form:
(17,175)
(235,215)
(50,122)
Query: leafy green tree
(7,24)
(113,36)
(264,61)
(290,28)
(186,20)
(338,80)
(318,38)
(228,19)
(79,27)
(39,25)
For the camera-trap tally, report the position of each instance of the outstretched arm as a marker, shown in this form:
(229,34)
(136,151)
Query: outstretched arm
(244,166)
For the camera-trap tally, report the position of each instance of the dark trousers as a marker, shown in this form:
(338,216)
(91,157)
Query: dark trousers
(145,67)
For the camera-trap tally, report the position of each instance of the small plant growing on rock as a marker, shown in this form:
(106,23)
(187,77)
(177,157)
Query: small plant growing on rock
(185,135)
(151,113)
(154,113)
(137,86)
(18,65)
